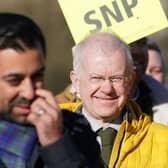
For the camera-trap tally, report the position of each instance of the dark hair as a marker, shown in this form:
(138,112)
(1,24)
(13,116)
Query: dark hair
(153,46)
(20,33)
(139,49)
(139,43)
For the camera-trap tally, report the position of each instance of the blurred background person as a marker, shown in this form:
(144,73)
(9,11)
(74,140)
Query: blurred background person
(151,95)
(155,66)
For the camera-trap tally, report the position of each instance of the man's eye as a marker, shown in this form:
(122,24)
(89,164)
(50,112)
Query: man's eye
(13,82)
(156,70)
(96,79)
(117,79)
(38,77)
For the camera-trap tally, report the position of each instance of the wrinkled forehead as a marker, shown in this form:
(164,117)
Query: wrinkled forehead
(101,41)
(100,46)
(104,59)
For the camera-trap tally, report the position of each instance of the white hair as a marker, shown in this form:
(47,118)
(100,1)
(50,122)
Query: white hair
(113,42)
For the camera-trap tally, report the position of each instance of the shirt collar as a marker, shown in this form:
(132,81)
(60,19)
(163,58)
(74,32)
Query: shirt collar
(95,125)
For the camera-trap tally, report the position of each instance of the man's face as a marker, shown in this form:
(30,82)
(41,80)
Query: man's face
(21,73)
(155,67)
(103,84)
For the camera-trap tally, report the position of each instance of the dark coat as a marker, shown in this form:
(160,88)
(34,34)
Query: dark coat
(78,147)
(145,99)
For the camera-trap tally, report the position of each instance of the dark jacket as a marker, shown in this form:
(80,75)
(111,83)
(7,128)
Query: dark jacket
(144,98)
(78,147)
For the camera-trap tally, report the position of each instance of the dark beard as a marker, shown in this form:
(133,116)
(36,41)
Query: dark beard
(8,116)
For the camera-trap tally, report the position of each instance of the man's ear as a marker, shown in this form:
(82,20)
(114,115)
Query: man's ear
(74,80)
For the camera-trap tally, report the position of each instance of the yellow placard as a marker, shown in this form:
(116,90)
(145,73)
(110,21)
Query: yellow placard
(129,19)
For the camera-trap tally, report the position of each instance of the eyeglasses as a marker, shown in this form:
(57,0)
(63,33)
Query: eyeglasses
(117,80)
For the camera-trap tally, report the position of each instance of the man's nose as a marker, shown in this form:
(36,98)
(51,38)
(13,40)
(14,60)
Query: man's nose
(27,89)
(107,86)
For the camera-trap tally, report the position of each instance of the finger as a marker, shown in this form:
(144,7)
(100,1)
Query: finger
(46,117)
(48,96)
(43,105)
(42,111)
(49,128)
(34,115)
(36,112)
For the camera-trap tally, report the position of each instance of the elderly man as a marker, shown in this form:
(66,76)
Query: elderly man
(103,74)
(34,133)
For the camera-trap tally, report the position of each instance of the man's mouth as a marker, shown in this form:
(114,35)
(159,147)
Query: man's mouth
(22,109)
(107,98)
